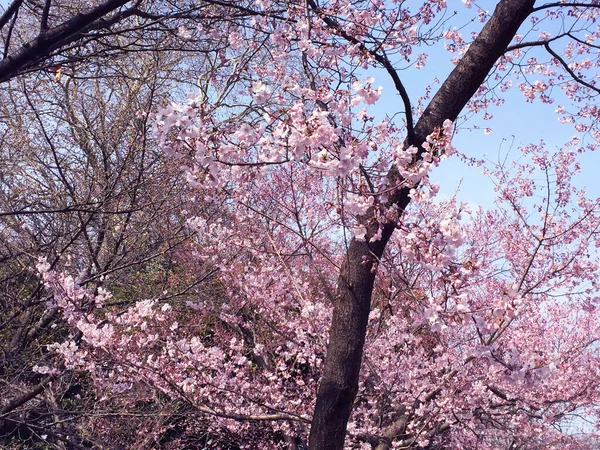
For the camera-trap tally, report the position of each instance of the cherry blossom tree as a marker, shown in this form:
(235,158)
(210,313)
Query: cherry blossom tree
(358,308)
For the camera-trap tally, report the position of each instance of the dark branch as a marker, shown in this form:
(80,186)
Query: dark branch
(569,70)
(44,19)
(49,40)
(381,59)
(562,5)
(21,400)
(12,9)
(527,44)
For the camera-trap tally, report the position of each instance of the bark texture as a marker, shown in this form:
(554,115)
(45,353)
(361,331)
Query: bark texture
(339,384)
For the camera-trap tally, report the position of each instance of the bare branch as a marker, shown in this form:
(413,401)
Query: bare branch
(10,11)
(45,13)
(22,399)
(50,39)
(563,5)
(569,70)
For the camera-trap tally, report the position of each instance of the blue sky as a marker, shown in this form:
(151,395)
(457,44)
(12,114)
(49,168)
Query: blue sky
(515,124)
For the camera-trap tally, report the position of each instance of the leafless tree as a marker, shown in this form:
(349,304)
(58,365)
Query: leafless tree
(56,36)
(83,186)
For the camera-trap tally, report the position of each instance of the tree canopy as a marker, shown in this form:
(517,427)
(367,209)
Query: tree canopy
(218,231)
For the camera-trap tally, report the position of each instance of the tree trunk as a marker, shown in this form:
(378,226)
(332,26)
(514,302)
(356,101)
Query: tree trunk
(339,384)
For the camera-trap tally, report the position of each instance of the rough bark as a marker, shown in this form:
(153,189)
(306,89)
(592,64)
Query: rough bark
(339,384)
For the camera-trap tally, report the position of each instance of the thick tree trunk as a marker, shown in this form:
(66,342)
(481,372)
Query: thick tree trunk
(339,383)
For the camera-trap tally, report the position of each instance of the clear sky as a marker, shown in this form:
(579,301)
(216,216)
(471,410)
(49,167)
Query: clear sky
(515,124)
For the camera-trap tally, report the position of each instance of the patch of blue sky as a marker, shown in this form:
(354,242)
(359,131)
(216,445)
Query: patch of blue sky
(515,124)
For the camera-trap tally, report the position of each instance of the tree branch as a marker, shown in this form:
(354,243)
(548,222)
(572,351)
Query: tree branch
(569,70)
(22,399)
(12,10)
(381,59)
(49,40)
(562,5)
(45,13)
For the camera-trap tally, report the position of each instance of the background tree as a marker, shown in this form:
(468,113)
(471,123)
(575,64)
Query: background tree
(56,36)
(85,188)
